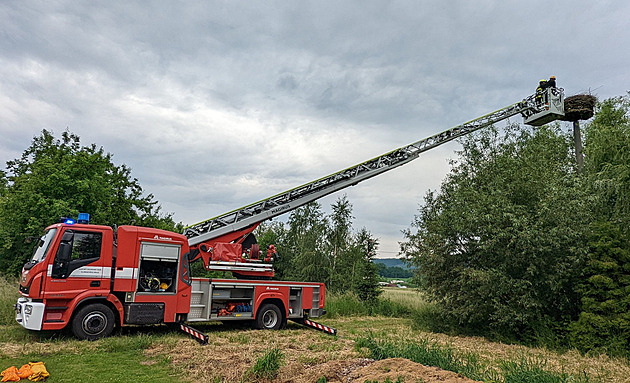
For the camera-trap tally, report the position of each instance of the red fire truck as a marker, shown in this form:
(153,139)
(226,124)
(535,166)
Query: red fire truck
(93,278)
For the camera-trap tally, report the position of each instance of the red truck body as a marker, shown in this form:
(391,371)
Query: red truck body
(85,277)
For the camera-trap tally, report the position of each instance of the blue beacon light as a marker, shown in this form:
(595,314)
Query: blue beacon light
(84,218)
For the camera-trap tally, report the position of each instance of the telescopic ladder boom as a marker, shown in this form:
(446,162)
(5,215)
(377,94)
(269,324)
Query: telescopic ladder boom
(281,203)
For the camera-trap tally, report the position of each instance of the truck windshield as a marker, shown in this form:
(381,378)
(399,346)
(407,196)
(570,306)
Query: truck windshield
(42,246)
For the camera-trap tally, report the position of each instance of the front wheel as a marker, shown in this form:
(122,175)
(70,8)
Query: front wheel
(269,317)
(93,322)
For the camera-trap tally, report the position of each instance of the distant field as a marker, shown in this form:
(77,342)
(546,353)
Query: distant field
(156,354)
(409,297)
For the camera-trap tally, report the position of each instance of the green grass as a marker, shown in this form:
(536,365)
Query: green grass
(267,366)
(348,304)
(529,370)
(9,295)
(466,364)
(116,359)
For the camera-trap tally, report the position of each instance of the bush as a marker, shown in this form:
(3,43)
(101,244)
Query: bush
(497,245)
(346,304)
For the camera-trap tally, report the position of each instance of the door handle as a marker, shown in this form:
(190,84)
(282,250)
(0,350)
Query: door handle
(95,284)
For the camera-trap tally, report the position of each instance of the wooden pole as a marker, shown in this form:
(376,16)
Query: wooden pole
(577,137)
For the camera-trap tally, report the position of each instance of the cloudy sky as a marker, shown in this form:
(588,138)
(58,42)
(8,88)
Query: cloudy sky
(215,105)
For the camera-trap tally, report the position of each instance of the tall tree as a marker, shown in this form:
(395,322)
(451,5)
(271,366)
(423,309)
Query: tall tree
(304,244)
(604,324)
(316,247)
(365,281)
(339,249)
(499,246)
(608,158)
(59,177)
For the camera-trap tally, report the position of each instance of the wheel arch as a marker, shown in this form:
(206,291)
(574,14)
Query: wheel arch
(276,301)
(115,306)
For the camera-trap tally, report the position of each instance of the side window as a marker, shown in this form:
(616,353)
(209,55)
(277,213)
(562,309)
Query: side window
(75,250)
(86,245)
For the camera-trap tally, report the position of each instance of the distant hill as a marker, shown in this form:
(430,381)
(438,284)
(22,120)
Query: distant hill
(392,262)
(393,268)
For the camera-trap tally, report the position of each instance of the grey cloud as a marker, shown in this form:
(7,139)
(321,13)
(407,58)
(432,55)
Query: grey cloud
(217,104)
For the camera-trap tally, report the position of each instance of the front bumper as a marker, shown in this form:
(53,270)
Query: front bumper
(29,314)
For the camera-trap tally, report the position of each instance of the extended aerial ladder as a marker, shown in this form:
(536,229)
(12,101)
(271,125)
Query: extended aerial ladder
(236,225)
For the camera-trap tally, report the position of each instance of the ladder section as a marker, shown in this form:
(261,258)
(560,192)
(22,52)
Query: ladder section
(291,199)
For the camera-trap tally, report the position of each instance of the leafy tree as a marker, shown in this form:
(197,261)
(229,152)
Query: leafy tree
(604,324)
(273,233)
(303,247)
(366,280)
(59,177)
(316,247)
(341,249)
(608,159)
(499,247)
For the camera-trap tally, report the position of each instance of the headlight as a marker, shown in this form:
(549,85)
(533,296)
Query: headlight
(28,309)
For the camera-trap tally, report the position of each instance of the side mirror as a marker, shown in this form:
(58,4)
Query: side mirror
(65,252)
(67,236)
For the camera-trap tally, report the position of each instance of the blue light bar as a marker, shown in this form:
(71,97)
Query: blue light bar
(84,218)
(68,221)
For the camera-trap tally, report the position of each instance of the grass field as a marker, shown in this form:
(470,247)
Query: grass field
(296,354)
(412,298)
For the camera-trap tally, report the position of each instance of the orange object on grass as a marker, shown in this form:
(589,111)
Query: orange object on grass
(25,371)
(10,374)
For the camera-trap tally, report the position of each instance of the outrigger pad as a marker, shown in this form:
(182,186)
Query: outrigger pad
(317,326)
(198,335)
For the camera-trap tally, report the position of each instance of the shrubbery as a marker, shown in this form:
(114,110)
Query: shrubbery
(519,244)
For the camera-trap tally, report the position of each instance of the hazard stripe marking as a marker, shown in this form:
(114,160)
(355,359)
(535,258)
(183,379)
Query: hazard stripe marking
(189,330)
(320,327)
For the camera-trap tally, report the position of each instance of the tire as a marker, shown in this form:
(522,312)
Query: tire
(93,322)
(269,317)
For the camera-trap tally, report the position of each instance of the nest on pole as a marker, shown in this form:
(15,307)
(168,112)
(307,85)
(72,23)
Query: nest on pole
(579,107)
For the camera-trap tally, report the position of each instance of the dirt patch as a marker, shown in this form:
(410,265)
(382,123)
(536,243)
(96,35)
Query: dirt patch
(579,107)
(407,371)
(308,357)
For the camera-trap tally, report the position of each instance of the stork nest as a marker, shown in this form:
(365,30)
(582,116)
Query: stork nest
(579,107)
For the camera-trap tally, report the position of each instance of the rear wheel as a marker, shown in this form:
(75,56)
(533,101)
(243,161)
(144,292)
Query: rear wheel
(93,322)
(269,317)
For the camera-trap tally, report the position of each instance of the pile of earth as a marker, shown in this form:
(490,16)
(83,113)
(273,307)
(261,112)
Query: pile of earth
(579,107)
(368,370)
